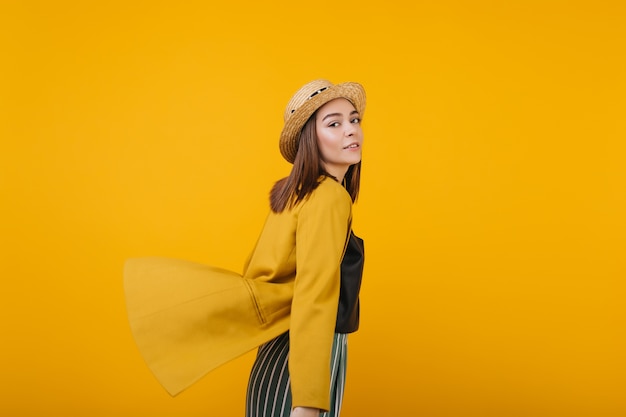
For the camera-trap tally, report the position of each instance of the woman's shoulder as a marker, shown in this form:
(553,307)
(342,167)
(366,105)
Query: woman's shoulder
(329,191)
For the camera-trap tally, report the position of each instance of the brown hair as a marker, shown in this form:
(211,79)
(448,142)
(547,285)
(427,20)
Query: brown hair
(306,171)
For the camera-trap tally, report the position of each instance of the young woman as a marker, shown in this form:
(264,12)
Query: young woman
(298,296)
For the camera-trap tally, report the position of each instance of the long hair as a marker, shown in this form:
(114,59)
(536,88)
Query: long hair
(306,172)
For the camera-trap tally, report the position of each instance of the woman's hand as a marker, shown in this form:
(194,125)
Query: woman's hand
(305,412)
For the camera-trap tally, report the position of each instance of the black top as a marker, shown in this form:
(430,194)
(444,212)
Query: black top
(351,274)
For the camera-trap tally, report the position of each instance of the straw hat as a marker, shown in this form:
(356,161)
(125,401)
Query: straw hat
(306,101)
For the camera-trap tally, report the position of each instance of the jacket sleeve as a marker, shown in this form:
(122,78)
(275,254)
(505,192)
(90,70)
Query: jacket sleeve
(322,229)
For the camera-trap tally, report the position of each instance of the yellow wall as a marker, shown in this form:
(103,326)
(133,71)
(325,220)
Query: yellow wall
(493,199)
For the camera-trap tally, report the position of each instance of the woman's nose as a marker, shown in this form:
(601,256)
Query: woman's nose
(350,129)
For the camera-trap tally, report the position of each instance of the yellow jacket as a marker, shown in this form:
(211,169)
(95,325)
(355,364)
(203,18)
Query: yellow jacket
(188,318)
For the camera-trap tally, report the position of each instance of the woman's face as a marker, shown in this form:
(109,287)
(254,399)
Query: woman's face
(339,136)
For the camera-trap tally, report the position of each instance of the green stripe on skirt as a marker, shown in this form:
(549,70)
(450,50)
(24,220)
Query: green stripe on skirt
(269,390)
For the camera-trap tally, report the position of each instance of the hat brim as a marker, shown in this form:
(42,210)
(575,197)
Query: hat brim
(289,136)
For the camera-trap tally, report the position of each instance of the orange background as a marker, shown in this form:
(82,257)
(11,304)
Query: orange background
(493,198)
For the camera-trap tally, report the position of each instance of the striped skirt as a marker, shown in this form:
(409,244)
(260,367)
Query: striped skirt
(269,389)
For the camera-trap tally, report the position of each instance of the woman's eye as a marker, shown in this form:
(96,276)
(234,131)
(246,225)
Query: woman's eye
(334,124)
(356,120)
